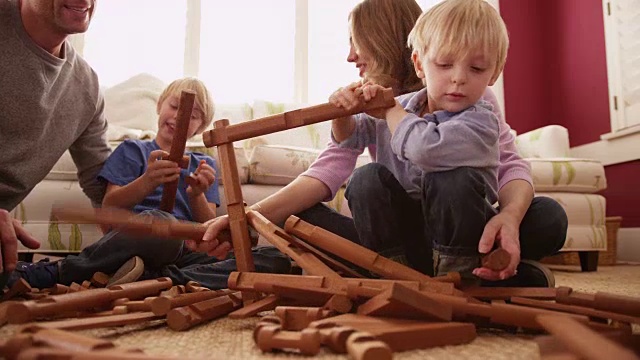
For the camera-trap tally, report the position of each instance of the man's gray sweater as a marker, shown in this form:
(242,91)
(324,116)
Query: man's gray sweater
(47,105)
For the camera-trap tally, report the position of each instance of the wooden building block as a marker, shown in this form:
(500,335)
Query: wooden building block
(186,317)
(620,304)
(58,289)
(99,322)
(161,305)
(339,303)
(582,341)
(291,119)
(245,281)
(334,264)
(270,338)
(402,302)
(268,303)
(280,239)
(20,287)
(294,318)
(183,118)
(46,353)
(131,223)
(505,293)
(496,260)
(183,163)
(352,252)
(193,286)
(364,346)
(100,279)
(235,206)
(22,312)
(592,313)
(403,334)
(66,340)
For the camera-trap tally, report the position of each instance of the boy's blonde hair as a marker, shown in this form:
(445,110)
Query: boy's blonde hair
(203,98)
(380,28)
(455,27)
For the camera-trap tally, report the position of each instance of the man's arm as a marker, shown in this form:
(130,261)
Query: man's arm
(89,152)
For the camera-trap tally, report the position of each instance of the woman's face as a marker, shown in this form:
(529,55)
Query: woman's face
(360,57)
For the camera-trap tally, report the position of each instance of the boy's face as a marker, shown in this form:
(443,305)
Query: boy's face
(455,83)
(167,119)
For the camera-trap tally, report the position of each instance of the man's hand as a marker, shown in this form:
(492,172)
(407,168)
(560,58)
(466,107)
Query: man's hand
(206,176)
(160,171)
(209,242)
(11,231)
(504,229)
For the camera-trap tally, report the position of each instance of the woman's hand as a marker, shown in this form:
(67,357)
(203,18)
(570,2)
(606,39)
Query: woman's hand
(209,242)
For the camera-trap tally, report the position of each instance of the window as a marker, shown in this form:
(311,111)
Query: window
(247,49)
(622,35)
(328,48)
(129,37)
(277,50)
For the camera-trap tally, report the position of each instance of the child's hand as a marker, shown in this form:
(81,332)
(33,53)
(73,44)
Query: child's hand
(205,175)
(160,171)
(504,230)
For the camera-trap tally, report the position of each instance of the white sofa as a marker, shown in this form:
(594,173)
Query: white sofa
(269,162)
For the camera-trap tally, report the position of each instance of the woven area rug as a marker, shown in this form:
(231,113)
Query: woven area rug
(232,339)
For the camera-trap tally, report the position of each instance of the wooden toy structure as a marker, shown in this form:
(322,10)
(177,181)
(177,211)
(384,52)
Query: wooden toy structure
(330,306)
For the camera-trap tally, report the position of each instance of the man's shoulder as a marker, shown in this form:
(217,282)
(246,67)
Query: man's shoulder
(82,71)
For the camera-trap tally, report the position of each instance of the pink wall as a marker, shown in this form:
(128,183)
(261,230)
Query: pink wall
(556,74)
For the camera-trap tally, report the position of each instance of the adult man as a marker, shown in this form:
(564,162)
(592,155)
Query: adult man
(50,101)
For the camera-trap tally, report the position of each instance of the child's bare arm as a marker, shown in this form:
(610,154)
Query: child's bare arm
(158,172)
(201,209)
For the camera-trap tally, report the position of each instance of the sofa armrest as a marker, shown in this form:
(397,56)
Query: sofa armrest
(546,142)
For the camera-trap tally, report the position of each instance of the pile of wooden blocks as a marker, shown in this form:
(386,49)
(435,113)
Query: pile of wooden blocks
(331,305)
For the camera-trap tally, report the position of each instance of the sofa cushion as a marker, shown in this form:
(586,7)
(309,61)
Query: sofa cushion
(279,165)
(567,174)
(66,170)
(586,214)
(314,136)
(547,142)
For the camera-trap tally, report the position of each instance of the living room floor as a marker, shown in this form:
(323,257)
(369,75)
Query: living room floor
(232,339)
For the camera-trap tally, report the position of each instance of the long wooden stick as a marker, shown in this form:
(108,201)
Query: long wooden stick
(280,239)
(291,119)
(352,252)
(187,97)
(129,222)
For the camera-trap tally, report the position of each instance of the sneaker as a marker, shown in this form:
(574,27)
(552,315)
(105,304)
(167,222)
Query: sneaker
(128,272)
(529,273)
(42,274)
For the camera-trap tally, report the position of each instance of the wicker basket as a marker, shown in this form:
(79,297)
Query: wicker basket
(604,258)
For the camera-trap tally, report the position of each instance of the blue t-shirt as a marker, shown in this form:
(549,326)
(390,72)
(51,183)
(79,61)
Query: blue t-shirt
(129,161)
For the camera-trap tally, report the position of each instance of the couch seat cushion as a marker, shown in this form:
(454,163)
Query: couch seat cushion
(567,175)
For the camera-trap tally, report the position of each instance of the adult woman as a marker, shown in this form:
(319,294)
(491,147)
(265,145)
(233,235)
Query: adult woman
(533,227)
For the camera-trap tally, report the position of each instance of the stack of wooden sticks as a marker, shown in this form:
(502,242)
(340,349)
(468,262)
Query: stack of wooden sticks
(331,305)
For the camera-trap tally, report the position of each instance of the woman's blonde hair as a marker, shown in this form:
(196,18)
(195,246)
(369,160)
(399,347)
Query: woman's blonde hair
(455,27)
(380,28)
(203,98)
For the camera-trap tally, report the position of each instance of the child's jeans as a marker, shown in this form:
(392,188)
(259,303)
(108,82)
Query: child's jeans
(162,257)
(440,231)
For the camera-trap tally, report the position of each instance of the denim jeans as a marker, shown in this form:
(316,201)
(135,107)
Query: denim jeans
(162,257)
(445,223)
